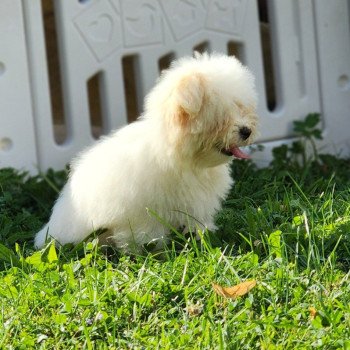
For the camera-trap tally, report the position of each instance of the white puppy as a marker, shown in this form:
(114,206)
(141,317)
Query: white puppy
(173,161)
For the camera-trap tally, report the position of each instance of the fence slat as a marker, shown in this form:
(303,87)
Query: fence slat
(17,136)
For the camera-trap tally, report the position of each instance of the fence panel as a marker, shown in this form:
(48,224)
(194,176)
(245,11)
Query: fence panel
(90,64)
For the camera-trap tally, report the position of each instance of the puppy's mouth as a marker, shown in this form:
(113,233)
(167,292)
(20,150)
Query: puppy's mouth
(235,152)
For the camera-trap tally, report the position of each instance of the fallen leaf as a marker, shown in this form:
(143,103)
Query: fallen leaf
(313,312)
(234,291)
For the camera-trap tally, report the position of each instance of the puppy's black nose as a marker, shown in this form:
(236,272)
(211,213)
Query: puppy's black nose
(244,132)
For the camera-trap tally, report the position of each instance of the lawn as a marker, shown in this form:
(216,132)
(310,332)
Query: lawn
(286,226)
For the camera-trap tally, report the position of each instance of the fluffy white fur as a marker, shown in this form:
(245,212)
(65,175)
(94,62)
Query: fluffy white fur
(173,161)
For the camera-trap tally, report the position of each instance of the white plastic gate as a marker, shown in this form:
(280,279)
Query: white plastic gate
(310,42)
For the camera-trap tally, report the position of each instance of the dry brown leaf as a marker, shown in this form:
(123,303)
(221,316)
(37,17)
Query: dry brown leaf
(313,312)
(234,291)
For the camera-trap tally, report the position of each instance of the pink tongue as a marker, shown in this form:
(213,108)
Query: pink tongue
(236,152)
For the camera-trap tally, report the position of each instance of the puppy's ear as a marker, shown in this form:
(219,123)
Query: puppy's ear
(190,94)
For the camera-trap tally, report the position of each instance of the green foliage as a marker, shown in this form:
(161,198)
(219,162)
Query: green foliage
(286,226)
(308,132)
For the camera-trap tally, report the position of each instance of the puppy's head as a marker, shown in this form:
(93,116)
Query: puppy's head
(206,106)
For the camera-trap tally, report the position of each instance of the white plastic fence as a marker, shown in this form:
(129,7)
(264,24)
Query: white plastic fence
(310,42)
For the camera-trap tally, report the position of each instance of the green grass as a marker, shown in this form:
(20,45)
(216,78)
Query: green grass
(286,226)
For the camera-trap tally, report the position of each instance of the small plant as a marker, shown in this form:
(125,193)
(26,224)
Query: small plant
(298,153)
